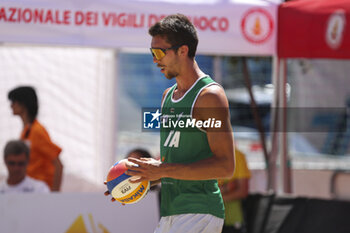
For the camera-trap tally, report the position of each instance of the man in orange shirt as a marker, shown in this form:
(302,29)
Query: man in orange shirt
(44,162)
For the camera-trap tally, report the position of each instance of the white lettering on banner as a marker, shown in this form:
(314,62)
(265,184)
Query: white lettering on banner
(105,19)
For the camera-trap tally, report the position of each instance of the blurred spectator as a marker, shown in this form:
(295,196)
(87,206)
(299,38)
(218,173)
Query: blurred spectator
(142,153)
(234,190)
(138,153)
(16,157)
(44,163)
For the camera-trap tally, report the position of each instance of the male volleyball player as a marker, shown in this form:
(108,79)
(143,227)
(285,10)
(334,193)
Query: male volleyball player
(191,159)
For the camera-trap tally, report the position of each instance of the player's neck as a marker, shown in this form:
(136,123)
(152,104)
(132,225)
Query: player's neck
(188,77)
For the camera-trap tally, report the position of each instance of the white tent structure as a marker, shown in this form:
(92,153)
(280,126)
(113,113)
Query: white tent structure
(66,49)
(314,29)
(225,27)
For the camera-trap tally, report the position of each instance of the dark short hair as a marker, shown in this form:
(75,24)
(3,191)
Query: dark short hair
(177,30)
(16,147)
(26,96)
(142,152)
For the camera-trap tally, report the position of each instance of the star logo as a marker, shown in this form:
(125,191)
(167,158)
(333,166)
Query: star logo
(156,115)
(151,119)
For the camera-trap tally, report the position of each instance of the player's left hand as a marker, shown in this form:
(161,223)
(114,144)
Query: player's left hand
(146,169)
(108,193)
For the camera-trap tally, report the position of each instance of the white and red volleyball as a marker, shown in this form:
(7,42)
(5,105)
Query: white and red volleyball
(119,186)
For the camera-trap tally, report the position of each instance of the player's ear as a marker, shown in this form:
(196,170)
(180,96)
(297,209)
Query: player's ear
(183,50)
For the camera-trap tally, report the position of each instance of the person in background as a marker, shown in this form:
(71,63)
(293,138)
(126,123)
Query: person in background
(16,157)
(44,163)
(233,190)
(138,153)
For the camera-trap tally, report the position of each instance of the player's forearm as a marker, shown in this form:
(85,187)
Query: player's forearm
(211,168)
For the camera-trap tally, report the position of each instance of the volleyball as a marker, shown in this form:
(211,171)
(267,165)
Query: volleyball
(121,188)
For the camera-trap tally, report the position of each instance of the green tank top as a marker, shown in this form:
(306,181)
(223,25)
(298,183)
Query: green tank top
(179,144)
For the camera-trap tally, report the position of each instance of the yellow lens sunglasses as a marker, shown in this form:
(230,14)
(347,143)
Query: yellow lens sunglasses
(159,53)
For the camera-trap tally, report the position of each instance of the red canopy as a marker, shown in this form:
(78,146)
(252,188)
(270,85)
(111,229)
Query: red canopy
(314,29)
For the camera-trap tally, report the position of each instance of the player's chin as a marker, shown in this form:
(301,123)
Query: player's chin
(169,77)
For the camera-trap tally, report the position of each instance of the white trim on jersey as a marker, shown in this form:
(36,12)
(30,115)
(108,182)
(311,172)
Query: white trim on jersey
(195,99)
(178,100)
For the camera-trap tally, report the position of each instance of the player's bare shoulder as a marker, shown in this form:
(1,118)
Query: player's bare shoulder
(212,104)
(165,93)
(212,96)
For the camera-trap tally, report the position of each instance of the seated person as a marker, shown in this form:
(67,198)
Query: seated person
(16,157)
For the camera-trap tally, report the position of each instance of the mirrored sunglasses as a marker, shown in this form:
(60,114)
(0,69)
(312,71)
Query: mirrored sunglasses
(159,53)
